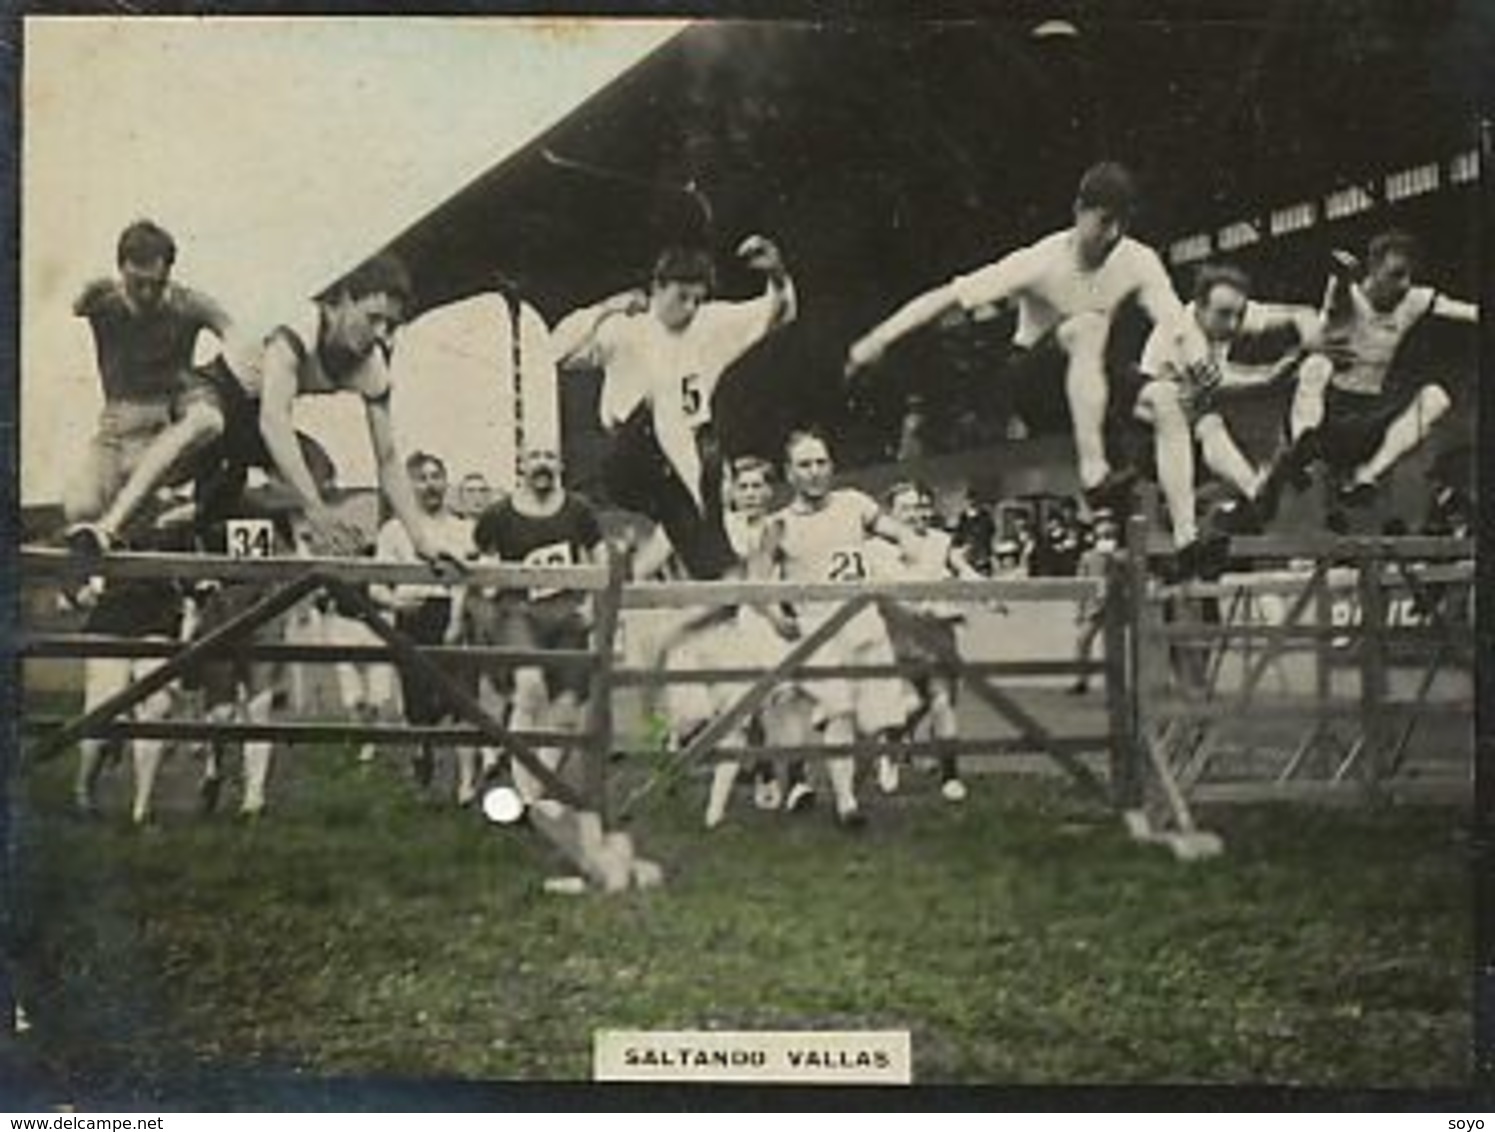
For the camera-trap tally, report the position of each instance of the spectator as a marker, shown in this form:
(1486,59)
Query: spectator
(474,494)
(975,531)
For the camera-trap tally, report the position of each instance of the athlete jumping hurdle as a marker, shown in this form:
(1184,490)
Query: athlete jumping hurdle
(663,355)
(1067,288)
(1249,344)
(1350,409)
(157,410)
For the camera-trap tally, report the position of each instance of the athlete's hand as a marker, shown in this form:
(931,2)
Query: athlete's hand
(628,302)
(1201,376)
(1346,266)
(447,566)
(191,619)
(865,353)
(785,624)
(335,538)
(762,255)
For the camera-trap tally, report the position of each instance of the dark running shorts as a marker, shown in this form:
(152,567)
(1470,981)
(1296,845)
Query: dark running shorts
(1355,423)
(221,678)
(1034,380)
(132,607)
(511,622)
(921,663)
(640,479)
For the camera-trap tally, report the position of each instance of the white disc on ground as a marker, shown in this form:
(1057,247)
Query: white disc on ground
(503,805)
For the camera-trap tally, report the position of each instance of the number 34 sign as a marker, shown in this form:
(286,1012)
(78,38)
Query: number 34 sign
(250,538)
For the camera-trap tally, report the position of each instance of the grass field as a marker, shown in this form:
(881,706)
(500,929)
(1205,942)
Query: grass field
(363,930)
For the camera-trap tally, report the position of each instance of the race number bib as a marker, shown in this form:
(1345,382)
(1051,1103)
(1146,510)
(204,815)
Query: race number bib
(551,555)
(693,402)
(847,566)
(251,538)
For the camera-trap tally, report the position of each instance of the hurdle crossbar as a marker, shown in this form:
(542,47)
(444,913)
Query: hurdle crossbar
(298,731)
(44,563)
(1180,627)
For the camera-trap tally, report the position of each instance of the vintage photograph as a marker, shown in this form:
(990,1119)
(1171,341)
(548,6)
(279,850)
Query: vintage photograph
(950,539)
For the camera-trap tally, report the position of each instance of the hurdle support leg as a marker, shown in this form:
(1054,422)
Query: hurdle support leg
(610,861)
(563,819)
(1123,591)
(1170,822)
(599,704)
(1374,682)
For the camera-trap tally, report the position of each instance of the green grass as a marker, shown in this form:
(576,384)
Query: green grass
(1020,938)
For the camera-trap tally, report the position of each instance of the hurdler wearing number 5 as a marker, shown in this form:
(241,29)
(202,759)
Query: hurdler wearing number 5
(663,354)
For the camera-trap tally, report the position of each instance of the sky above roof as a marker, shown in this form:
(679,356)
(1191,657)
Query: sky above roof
(278,151)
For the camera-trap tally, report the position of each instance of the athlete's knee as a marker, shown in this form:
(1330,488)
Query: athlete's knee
(1210,431)
(529,690)
(201,423)
(84,494)
(259,706)
(840,729)
(1161,402)
(1314,373)
(565,711)
(1432,402)
(1080,331)
(154,707)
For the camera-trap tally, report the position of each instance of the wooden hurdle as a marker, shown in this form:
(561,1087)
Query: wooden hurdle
(1171,711)
(1354,728)
(982,679)
(572,816)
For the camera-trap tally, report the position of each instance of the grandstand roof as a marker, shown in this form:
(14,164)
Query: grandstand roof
(925,143)
(887,154)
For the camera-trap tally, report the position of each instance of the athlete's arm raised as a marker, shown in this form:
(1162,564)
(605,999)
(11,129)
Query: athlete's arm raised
(583,340)
(1305,323)
(763,256)
(1161,302)
(995,283)
(1455,310)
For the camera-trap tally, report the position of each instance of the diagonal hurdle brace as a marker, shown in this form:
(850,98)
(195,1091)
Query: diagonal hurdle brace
(999,701)
(705,740)
(229,633)
(456,696)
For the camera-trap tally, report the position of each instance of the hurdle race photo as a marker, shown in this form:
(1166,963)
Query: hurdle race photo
(765,552)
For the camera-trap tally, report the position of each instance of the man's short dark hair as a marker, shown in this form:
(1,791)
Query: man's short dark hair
(1213,275)
(800,435)
(684,265)
(920,490)
(418,460)
(1108,186)
(145,242)
(384,274)
(744,465)
(1394,242)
